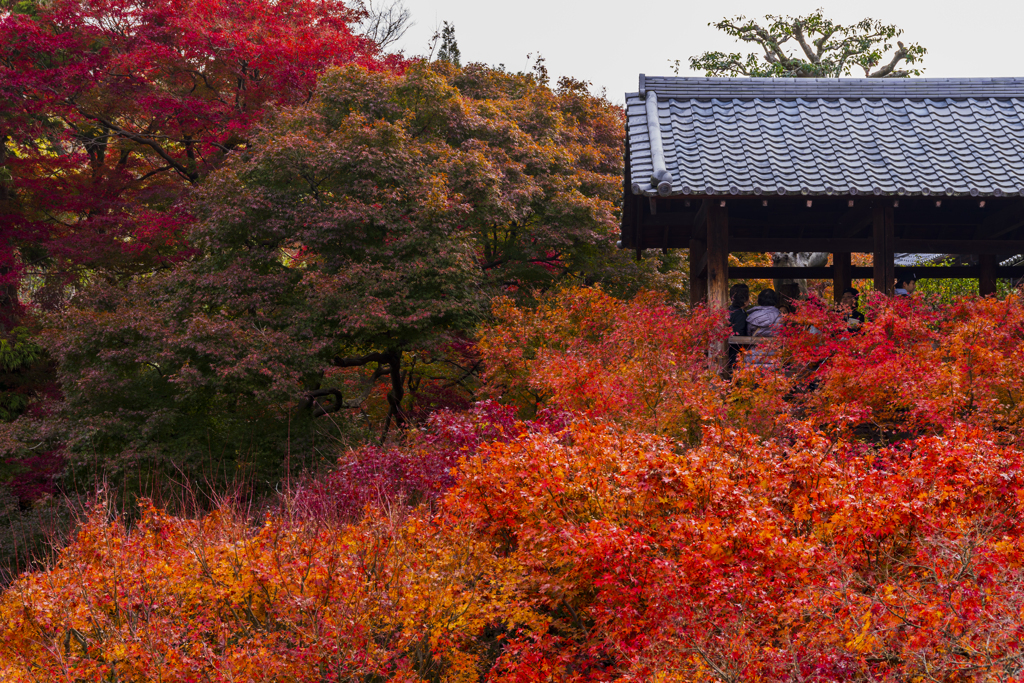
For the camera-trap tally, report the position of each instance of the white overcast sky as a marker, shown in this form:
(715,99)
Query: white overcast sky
(610,43)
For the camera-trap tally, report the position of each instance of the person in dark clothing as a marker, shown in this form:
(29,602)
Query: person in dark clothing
(848,304)
(739,296)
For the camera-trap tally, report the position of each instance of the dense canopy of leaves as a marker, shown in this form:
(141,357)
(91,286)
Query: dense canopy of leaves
(355,236)
(263,217)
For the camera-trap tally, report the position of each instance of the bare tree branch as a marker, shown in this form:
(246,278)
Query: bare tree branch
(357,361)
(385,22)
(145,140)
(798,34)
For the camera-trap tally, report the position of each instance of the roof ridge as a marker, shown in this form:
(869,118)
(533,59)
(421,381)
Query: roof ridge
(702,87)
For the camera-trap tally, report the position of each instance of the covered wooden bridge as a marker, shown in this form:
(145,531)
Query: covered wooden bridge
(853,165)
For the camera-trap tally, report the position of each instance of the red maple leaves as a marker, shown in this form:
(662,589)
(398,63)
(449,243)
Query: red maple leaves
(113,109)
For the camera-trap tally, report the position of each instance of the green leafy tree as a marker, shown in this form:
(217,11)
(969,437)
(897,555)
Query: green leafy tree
(19,356)
(335,243)
(811,46)
(358,235)
(449,51)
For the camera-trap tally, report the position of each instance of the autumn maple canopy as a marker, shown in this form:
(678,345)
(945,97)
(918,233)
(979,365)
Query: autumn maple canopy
(112,110)
(321,363)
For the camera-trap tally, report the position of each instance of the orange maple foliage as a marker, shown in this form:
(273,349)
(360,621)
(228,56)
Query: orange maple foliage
(653,532)
(582,350)
(218,599)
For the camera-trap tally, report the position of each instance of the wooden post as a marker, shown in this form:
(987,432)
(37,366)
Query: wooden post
(884,233)
(718,254)
(987,278)
(638,232)
(698,282)
(841,274)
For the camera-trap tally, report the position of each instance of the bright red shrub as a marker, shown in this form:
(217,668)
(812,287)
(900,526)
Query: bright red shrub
(915,367)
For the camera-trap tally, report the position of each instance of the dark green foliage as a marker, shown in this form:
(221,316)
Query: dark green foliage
(449,51)
(342,262)
(21,361)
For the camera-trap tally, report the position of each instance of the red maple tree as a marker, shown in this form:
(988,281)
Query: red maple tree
(112,110)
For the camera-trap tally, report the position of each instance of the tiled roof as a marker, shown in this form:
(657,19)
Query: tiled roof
(916,259)
(744,136)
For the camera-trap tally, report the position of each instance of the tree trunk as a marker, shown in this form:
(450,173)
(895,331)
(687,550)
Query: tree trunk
(796,288)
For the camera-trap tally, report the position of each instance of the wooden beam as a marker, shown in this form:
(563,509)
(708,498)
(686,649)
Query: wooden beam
(884,235)
(829,244)
(795,272)
(718,254)
(852,222)
(701,269)
(698,284)
(866,272)
(841,274)
(867,245)
(1000,222)
(939,246)
(682,220)
(1010,271)
(987,264)
(675,231)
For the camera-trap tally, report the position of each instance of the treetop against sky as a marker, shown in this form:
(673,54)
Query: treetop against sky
(610,43)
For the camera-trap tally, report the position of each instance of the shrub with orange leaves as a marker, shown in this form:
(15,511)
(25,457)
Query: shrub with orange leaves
(599,540)
(597,552)
(219,599)
(644,360)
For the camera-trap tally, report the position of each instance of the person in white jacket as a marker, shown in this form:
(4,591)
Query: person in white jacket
(763,319)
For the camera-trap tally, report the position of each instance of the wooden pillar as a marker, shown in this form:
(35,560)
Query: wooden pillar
(884,232)
(718,254)
(638,229)
(987,278)
(698,281)
(842,274)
